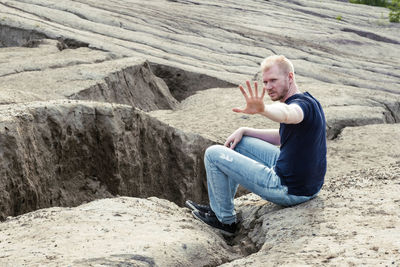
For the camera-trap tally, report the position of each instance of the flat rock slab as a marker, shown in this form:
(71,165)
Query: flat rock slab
(357,148)
(127,231)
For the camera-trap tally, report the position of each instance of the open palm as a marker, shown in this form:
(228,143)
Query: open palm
(254,103)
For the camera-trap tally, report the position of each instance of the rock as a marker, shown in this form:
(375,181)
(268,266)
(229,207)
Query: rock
(225,40)
(62,153)
(79,74)
(350,218)
(114,231)
(357,148)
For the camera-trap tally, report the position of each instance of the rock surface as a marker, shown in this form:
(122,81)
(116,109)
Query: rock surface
(79,74)
(353,222)
(176,64)
(112,232)
(224,39)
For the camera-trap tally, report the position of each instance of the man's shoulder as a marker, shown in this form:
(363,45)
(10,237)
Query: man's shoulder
(303,99)
(300,99)
(310,106)
(305,95)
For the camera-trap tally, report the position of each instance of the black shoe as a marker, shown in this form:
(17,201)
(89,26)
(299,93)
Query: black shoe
(212,220)
(194,206)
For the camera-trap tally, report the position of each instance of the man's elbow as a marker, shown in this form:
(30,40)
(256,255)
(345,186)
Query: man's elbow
(293,120)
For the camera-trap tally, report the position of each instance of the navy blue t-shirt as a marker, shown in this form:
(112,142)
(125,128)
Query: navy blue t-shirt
(302,162)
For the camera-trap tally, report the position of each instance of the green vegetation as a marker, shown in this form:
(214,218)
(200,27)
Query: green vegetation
(393,5)
(339,17)
(370,2)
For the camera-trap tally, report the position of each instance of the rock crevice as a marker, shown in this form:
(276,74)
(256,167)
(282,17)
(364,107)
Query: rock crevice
(12,36)
(63,154)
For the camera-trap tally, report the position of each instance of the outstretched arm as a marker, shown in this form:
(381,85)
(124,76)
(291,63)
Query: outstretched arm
(279,112)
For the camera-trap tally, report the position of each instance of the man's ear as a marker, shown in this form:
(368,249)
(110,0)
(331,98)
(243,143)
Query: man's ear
(290,76)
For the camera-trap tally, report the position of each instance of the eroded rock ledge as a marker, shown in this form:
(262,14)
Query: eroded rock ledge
(54,72)
(62,153)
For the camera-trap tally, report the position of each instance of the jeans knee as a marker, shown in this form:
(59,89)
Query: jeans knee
(212,152)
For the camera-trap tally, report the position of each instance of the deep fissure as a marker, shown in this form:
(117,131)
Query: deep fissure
(119,83)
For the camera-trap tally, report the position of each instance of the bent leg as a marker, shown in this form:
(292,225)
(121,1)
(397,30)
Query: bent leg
(226,169)
(221,189)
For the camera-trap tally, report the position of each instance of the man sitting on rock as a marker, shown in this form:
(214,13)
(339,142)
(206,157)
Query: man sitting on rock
(289,175)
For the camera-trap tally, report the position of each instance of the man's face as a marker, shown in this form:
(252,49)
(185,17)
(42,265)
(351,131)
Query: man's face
(276,83)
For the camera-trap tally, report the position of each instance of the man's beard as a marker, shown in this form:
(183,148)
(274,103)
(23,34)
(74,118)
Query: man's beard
(282,94)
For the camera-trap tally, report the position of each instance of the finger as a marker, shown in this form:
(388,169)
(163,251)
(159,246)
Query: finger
(243,92)
(238,110)
(227,143)
(233,144)
(249,87)
(263,92)
(256,88)
(229,140)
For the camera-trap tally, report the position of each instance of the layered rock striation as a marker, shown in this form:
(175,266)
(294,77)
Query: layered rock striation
(102,99)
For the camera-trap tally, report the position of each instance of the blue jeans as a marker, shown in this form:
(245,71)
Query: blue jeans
(250,164)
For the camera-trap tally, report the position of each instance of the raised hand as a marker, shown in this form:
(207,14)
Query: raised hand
(254,103)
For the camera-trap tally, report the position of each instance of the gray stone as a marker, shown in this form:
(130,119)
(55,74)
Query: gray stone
(152,54)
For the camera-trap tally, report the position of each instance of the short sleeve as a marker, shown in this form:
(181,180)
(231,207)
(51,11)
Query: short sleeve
(305,105)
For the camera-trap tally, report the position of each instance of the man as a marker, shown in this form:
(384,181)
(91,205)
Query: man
(289,175)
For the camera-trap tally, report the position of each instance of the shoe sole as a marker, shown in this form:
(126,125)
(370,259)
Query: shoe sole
(225,233)
(192,207)
(189,205)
